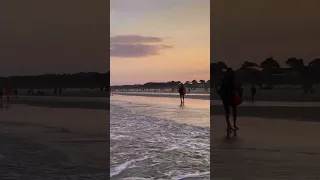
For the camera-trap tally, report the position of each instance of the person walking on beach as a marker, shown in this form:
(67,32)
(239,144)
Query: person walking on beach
(7,93)
(1,97)
(231,96)
(1,93)
(253,92)
(16,93)
(182,92)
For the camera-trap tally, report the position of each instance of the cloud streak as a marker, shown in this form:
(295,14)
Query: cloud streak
(133,46)
(133,39)
(136,50)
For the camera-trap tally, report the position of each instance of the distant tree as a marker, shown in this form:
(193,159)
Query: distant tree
(315,63)
(202,81)
(269,63)
(248,64)
(313,70)
(295,63)
(268,66)
(217,67)
(222,65)
(216,72)
(194,84)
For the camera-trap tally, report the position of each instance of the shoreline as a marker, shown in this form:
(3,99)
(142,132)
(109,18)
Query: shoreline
(273,112)
(62,143)
(167,95)
(63,102)
(278,149)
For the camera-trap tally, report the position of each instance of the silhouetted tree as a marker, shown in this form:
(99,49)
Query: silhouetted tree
(295,63)
(269,63)
(248,64)
(315,63)
(216,72)
(78,80)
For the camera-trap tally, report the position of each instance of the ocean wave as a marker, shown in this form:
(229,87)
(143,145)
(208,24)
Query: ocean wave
(152,147)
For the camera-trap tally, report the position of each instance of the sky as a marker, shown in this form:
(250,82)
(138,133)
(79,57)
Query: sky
(159,41)
(253,30)
(49,36)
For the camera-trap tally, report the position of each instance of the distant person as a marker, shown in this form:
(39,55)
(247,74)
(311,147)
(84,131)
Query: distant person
(182,92)
(253,91)
(16,93)
(55,91)
(1,94)
(60,91)
(8,92)
(231,96)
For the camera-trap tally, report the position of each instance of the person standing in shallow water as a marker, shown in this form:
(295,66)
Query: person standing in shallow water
(231,96)
(182,92)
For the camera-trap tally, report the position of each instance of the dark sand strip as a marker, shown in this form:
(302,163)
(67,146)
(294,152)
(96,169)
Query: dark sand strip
(52,143)
(272,112)
(64,102)
(265,149)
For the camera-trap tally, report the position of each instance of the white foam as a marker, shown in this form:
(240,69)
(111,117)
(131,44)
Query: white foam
(117,170)
(137,178)
(170,146)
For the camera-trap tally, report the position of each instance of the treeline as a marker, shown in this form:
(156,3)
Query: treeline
(269,72)
(77,80)
(166,85)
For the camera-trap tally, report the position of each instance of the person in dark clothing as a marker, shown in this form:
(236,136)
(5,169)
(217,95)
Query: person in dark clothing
(16,93)
(253,92)
(1,94)
(182,92)
(231,96)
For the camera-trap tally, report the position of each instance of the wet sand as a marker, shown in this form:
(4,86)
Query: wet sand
(294,111)
(202,96)
(102,103)
(278,94)
(265,149)
(194,112)
(62,142)
(157,138)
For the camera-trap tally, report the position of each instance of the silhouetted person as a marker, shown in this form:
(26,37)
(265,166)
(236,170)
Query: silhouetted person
(55,91)
(16,93)
(8,92)
(231,97)
(182,92)
(253,91)
(1,94)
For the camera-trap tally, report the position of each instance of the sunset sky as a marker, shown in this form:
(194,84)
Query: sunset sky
(159,40)
(39,37)
(253,30)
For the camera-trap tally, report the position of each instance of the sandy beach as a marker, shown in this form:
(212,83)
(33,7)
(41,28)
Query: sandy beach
(202,96)
(290,93)
(277,138)
(265,149)
(69,141)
